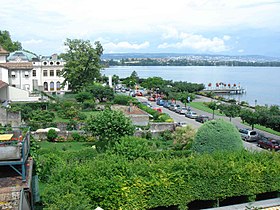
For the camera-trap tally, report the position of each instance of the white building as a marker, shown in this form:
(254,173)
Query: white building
(23,73)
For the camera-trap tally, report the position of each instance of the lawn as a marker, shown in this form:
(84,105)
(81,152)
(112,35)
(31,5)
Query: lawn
(263,128)
(201,106)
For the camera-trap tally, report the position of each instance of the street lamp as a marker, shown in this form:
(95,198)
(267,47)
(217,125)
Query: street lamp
(256,102)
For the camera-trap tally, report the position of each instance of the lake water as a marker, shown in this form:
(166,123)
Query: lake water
(261,83)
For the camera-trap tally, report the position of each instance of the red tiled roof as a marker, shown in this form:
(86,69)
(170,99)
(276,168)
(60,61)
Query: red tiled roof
(3,84)
(16,66)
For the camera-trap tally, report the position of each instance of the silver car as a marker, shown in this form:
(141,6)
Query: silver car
(191,114)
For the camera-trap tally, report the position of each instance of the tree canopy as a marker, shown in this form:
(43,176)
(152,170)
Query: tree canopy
(7,43)
(82,63)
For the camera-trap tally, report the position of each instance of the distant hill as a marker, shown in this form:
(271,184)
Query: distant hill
(209,57)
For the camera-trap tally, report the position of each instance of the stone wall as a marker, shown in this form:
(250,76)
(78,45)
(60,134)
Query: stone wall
(13,118)
(162,126)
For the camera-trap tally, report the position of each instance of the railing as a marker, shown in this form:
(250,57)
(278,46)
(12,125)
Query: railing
(10,150)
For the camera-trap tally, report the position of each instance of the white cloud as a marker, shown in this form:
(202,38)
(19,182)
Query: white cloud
(113,47)
(241,51)
(226,37)
(198,43)
(32,42)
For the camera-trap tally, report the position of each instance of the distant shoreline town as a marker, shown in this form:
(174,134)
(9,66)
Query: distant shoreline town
(174,59)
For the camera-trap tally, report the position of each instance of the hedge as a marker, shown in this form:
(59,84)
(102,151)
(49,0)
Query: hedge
(113,182)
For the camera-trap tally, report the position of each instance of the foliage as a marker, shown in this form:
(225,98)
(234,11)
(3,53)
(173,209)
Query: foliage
(216,135)
(111,181)
(82,63)
(230,110)
(122,99)
(89,105)
(102,93)
(40,119)
(83,96)
(153,83)
(132,147)
(78,137)
(183,137)
(214,106)
(52,135)
(7,43)
(249,116)
(109,126)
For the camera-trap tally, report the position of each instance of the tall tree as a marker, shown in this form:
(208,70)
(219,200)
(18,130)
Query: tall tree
(7,43)
(249,116)
(82,63)
(214,106)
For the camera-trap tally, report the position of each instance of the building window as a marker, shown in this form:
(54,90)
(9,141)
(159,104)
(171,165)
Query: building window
(51,73)
(26,74)
(13,74)
(45,73)
(51,63)
(45,63)
(34,73)
(58,86)
(46,86)
(58,73)
(52,86)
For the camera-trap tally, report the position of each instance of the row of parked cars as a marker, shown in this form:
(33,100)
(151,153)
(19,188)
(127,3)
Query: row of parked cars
(262,141)
(182,110)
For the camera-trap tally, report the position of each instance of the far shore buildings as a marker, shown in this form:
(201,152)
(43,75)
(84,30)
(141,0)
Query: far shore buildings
(22,74)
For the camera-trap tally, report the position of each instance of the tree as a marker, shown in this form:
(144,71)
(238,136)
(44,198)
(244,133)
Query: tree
(102,93)
(83,96)
(109,126)
(82,63)
(230,110)
(249,116)
(214,106)
(7,43)
(217,135)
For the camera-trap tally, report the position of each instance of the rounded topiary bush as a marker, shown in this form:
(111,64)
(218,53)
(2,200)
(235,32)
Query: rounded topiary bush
(217,135)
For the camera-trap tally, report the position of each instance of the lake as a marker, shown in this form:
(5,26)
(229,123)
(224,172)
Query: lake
(261,83)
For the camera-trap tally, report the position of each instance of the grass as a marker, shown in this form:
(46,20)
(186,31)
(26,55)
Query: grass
(263,128)
(62,146)
(201,106)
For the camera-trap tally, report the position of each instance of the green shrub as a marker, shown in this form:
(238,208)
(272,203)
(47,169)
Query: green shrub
(216,135)
(122,99)
(78,137)
(52,135)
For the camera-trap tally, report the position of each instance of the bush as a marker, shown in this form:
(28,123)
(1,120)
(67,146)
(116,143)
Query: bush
(122,99)
(77,137)
(217,135)
(52,135)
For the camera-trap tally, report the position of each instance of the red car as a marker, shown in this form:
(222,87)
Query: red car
(270,144)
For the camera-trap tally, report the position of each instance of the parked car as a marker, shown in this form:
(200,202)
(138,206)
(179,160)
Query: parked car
(167,104)
(202,118)
(151,99)
(160,102)
(181,110)
(191,114)
(248,135)
(147,104)
(270,144)
(172,107)
(177,106)
(158,109)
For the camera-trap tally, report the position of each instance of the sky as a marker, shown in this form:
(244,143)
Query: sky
(225,27)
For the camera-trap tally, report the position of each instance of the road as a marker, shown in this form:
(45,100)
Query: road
(236,121)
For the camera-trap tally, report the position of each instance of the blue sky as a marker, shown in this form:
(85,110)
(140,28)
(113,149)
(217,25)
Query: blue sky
(232,27)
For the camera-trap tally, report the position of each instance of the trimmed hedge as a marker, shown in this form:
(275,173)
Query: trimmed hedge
(217,135)
(113,182)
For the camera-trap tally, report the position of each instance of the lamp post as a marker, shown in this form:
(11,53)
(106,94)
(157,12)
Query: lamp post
(256,102)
